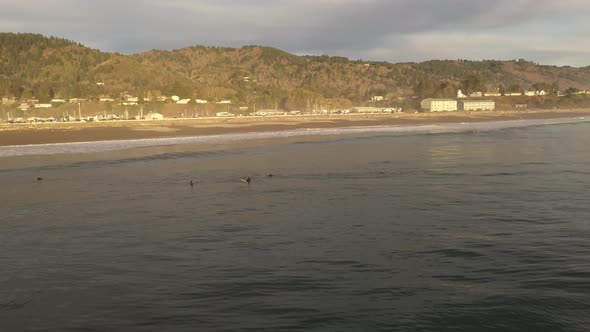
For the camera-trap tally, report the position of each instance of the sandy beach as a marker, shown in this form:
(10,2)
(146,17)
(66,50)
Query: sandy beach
(43,133)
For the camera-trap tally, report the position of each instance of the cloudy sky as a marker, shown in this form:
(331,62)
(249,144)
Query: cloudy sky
(553,32)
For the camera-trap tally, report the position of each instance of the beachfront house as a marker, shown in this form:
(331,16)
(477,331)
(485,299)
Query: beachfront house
(438,105)
(477,105)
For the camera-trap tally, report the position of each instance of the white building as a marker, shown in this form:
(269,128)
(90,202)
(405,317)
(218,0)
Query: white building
(530,93)
(8,100)
(438,105)
(377,98)
(175,98)
(513,94)
(460,94)
(55,100)
(476,94)
(224,102)
(477,105)
(201,101)
(492,94)
(183,101)
(42,105)
(106,99)
(224,114)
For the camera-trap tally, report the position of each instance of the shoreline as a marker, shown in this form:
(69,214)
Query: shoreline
(48,133)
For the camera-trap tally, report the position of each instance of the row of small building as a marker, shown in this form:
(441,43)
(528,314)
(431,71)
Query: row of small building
(448,105)
(127,101)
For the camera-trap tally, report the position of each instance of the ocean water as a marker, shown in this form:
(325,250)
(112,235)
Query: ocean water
(485,229)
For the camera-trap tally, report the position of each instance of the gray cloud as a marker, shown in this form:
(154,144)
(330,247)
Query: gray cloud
(402,30)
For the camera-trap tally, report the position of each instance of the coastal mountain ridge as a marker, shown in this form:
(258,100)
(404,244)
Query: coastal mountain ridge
(32,65)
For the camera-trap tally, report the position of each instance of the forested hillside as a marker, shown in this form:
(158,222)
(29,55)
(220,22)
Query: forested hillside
(47,67)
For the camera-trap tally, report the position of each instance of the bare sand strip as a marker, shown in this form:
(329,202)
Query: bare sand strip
(44,133)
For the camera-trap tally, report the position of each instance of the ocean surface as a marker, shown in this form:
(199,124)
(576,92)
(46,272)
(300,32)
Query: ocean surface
(485,228)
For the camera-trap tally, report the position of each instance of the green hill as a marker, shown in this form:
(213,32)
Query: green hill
(32,65)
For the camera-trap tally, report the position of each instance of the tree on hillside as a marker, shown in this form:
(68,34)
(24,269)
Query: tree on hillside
(473,83)
(550,88)
(425,89)
(44,93)
(571,91)
(302,99)
(178,88)
(446,90)
(337,103)
(431,89)
(514,88)
(540,86)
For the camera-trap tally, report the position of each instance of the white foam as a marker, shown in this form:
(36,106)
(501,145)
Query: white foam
(114,145)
